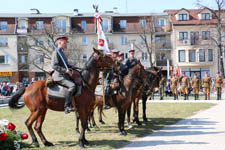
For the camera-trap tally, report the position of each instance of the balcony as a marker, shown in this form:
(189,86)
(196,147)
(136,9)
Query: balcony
(162,62)
(23,67)
(21,30)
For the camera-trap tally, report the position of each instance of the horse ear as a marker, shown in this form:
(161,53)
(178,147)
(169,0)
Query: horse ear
(97,51)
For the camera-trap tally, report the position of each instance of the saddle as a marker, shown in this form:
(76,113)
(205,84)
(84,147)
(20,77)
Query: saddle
(56,90)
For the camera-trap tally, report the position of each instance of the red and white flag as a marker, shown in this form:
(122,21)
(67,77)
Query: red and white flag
(102,42)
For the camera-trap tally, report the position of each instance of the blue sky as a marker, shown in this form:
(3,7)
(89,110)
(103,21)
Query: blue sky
(67,6)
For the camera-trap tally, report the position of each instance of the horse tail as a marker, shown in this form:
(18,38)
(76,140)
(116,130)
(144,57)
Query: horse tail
(13,101)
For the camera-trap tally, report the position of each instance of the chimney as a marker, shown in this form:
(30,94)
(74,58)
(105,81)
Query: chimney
(75,12)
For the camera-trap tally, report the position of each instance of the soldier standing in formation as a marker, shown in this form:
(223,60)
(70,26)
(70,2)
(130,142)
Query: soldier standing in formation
(195,84)
(174,83)
(206,84)
(218,85)
(162,84)
(185,85)
(131,61)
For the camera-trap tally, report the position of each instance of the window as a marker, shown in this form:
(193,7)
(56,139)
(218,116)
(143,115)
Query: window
(194,37)
(3,42)
(23,59)
(40,41)
(85,58)
(205,16)
(182,17)
(144,56)
(183,35)
(4,59)
(105,25)
(123,40)
(83,24)
(142,23)
(181,55)
(3,25)
(201,55)
(210,55)
(192,56)
(22,24)
(157,39)
(161,22)
(205,35)
(39,25)
(61,25)
(40,59)
(84,40)
(123,24)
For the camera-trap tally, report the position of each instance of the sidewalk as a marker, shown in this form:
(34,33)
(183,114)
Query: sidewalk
(203,131)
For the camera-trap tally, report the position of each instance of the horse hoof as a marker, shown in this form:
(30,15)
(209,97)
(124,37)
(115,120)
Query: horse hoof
(48,143)
(77,131)
(123,133)
(139,123)
(145,120)
(130,126)
(86,142)
(35,144)
(101,121)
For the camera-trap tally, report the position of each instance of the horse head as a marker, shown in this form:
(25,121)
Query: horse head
(102,60)
(155,75)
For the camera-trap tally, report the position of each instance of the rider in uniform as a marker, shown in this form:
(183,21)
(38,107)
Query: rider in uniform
(218,85)
(185,85)
(131,61)
(62,75)
(206,84)
(195,84)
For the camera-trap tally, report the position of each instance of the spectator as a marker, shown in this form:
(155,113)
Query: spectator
(3,89)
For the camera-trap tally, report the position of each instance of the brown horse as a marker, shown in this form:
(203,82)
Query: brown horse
(36,98)
(123,99)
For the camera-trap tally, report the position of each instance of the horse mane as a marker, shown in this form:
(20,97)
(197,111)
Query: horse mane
(89,65)
(132,71)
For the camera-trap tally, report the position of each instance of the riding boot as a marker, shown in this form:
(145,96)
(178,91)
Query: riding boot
(208,96)
(187,96)
(184,96)
(205,96)
(217,96)
(197,96)
(68,100)
(177,96)
(174,97)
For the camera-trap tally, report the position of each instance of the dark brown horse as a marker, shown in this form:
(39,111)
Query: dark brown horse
(36,98)
(123,99)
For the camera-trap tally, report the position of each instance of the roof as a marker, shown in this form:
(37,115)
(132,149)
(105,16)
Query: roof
(44,15)
(193,17)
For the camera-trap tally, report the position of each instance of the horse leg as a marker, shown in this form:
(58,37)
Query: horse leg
(100,115)
(82,140)
(77,122)
(29,122)
(38,127)
(136,110)
(93,120)
(128,116)
(144,99)
(121,116)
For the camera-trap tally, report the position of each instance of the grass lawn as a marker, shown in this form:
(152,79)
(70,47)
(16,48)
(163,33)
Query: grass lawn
(60,128)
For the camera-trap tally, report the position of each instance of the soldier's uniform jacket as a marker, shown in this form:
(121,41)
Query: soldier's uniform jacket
(206,82)
(174,82)
(185,82)
(131,62)
(195,83)
(218,82)
(59,67)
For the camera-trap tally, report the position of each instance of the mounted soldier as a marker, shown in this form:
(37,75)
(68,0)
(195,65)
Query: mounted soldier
(131,61)
(62,72)
(218,85)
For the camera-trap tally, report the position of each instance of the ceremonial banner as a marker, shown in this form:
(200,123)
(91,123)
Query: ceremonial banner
(102,42)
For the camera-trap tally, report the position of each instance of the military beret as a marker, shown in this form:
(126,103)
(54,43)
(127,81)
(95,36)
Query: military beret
(62,38)
(121,54)
(132,50)
(115,51)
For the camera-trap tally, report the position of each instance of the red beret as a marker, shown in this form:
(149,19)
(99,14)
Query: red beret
(195,74)
(183,73)
(132,50)
(121,54)
(206,72)
(218,72)
(62,38)
(117,53)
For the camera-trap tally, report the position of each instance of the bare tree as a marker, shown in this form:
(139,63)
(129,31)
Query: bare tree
(219,37)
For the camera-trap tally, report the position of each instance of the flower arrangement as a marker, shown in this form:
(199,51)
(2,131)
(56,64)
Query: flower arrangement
(9,137)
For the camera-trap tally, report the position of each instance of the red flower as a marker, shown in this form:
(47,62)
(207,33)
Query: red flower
(11,126)
(3,136)
(24,136)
